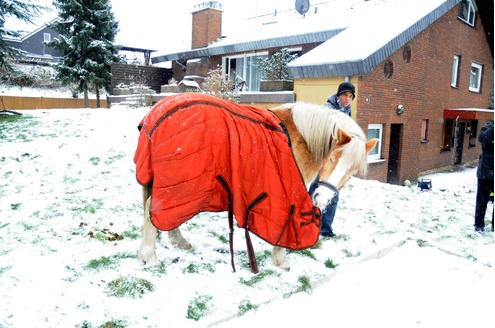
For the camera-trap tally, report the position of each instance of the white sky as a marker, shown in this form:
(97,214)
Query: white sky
(164,25)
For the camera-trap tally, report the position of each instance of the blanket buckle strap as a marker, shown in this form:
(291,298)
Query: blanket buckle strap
(230,218)
(252,257)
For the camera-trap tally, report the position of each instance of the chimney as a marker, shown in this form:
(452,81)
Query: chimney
(206,23)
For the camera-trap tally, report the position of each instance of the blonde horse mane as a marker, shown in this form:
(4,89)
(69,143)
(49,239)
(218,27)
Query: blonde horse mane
(319,127)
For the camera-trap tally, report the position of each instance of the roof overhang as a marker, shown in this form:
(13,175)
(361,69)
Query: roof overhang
(224,49)
(468,113)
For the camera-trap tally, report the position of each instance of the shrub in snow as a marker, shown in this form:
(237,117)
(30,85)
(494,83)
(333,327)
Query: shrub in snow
(216,85)
(275,66)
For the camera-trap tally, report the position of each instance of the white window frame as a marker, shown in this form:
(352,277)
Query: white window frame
(471,12)
(243,75)
(47,37)
(475,78)
(456,61)
(375,153)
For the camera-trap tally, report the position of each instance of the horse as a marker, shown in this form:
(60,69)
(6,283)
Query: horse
(321,143)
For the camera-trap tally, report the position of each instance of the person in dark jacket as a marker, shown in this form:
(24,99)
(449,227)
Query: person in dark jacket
(339,101)
(343,98)
(485,176)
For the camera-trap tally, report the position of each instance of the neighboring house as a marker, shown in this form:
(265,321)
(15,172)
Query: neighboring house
(33,46)
(423,71)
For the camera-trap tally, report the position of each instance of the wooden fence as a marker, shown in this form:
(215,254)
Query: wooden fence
(16,103)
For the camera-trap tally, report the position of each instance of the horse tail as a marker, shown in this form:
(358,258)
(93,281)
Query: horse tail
(147,191)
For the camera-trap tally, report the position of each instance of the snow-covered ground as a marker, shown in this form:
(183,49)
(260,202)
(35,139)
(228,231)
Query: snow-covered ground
(70,214)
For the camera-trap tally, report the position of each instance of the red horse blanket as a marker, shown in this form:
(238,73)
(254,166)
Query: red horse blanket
(202,153)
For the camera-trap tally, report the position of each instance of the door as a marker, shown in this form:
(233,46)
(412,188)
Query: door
(394,154)
(459,130)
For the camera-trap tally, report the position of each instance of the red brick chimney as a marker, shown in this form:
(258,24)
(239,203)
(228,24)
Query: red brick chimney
(206,23)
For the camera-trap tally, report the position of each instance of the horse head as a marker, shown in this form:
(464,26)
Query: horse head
(347,157)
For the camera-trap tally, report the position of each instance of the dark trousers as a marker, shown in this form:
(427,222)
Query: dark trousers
(485,187)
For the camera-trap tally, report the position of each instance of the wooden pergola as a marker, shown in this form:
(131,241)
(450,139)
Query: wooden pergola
(146,53)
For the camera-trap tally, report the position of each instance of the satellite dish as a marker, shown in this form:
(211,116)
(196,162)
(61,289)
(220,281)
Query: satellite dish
(302,6)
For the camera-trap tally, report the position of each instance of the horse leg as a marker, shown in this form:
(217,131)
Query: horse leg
(176,239)
(279,258)
(147,251)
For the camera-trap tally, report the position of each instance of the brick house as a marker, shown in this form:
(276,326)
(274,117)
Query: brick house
(423,71)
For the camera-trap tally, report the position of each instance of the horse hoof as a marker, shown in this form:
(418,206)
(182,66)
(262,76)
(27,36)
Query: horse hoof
(184,245)
(153,263)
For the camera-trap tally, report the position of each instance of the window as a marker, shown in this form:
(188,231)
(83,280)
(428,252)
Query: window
(424,130)
(388,69)
(456,64)
(406,54)
(375,131)
(475,77)
(47,37)
(448,134)
(244,68)
(467,11)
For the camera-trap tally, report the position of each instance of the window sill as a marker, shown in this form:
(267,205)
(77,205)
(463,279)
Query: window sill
(376,161)
(424,140)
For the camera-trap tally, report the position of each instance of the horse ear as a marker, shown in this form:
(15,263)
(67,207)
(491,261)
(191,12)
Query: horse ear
(343,137)
(371,144)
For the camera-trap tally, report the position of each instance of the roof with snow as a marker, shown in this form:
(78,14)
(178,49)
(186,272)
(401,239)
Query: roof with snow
(355,36)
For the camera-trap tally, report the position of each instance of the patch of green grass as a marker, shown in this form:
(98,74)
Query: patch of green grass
(114,323)
(16,127)
(246,306)
(108,262)
(191,268)
(194,268)
(220,237)
(114,158)
(157,270)
(27,226)
(103,262)
(74,272)
(95,160)
(133,233)
(304,284)
(330,264)
(5,269)
(15,206)
(259,277)
(198,307)
(348,253)
(305,252)
(89,207)
(261,258)
(129,286)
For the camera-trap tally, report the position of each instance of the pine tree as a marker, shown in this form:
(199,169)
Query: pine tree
(22,10)
(87,33)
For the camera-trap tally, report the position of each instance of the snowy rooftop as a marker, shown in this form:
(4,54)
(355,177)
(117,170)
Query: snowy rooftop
(355,35)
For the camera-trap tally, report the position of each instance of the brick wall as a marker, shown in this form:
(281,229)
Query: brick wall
(423,86)
(153,77)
